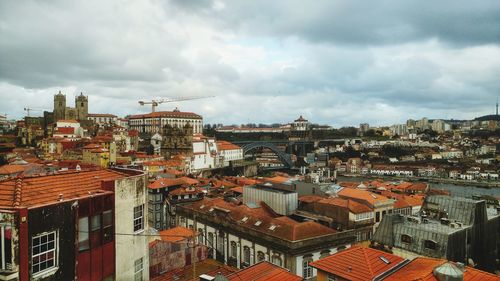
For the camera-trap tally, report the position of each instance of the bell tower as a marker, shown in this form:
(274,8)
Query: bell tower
(59,106)
(82,107)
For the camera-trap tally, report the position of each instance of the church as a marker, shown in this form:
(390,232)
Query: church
(62,112)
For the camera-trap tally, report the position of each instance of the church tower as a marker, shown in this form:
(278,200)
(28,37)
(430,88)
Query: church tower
(82,107)
(59,106)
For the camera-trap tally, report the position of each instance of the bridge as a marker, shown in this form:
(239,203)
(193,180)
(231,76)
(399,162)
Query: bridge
(284,157)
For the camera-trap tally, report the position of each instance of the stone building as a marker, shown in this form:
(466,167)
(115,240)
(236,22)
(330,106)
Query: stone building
(79,112)
(177,140)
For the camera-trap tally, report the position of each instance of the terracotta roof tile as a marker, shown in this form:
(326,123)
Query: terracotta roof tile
(357,263)
(264,271)
(46,189)
(421,269)
(174,114)
(176,234)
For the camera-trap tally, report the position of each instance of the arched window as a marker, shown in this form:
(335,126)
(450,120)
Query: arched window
(261,256)
(431,245)
(406,238)
(277,260)
(307,270)
(246,255)
(234,249)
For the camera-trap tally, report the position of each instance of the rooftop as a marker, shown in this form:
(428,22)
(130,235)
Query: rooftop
(358,263)
(263,271)
(40,190)
(261,220)
(421,269)
(176,234)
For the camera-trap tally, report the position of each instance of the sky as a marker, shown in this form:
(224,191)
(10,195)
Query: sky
(335,62)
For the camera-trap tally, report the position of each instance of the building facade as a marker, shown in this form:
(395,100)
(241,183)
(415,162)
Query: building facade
(79,112)
(155,121)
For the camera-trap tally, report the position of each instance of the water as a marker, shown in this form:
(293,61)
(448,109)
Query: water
(455,190)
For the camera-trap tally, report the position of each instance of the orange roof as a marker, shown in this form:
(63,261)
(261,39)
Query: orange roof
(185,190)
(277,179)
(166,182)
(29,192)
(238,189)
(421,269)
(177,234)
(100,115)
(357,263)
(353,206)
(285,228)
(12,169)
(364,195)
(225,145)
(264,271)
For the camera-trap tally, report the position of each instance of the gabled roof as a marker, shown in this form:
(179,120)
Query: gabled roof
(367,196)
(225,145)
(177,234)
(264,271)
(33,191)
(358,263)
(421,269)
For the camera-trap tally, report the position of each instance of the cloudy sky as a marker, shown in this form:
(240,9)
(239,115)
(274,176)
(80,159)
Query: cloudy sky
(335,62)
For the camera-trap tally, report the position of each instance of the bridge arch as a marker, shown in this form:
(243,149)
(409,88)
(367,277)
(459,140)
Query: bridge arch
(284,157)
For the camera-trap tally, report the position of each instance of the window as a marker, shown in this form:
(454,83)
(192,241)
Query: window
(431,245)
(107,226)
(331,278)
(138,268)
(260,256)
(234,249)
(406,238)
(139,218)
(83,234)
(324,254)
(307,270)
(6,236)
(95,231)
(246,255)
(276,260)
(43,252)
(377,217)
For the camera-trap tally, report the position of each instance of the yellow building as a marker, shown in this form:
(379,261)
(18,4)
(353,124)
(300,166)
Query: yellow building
(96,155)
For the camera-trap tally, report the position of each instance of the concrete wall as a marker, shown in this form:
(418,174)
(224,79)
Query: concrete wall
(130,192)
(281,202)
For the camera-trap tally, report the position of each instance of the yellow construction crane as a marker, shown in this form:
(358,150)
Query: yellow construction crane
(155,103)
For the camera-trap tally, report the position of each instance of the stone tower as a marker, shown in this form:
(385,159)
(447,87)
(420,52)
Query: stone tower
(59,106)
(82,107)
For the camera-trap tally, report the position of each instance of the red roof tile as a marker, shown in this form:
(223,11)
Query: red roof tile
(357,263)
(176,234)
(264,271)
(421,269)
(41,190)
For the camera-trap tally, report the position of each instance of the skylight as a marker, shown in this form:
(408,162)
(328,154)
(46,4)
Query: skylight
(257,223)
(272,227)
(384,260)
(244,219)
(202,206)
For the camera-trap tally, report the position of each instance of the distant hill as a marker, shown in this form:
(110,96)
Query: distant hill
(488,117)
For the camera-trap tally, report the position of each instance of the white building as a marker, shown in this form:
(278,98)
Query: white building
(229,152)
(155,121)
(103,119)
(68,129)
(205,154)
(132,245)
(242,236)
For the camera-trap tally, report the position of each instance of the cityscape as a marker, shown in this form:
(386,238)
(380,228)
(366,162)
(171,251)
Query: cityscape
(221,141)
